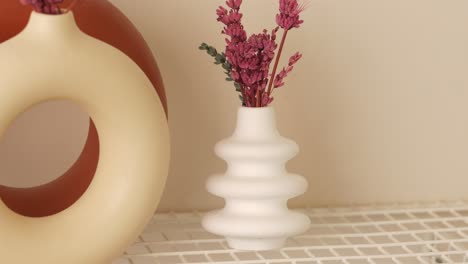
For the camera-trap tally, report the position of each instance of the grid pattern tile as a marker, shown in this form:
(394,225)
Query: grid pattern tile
(373,234)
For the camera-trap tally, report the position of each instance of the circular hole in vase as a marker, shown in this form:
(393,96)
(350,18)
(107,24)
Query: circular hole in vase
(48,157)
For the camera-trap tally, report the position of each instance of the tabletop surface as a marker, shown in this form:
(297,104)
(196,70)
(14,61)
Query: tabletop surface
(427,233)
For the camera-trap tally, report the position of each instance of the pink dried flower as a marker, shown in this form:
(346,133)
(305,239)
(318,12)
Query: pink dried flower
(288,16)
(228,18)
(222,15)
(287,19)
(232,20)
(286,70)
(249,57)
(250,61)
(295,58)
(234,4)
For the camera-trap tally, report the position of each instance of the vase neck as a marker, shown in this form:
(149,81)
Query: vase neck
(256,123)
(49,26)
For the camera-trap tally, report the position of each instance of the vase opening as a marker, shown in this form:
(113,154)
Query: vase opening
(51,25)
(48,157)
(63,12)
(256,123)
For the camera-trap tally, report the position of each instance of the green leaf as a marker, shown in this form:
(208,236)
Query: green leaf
(227,66)
(242,100)
(212,51)
(220,58)
(203,46)
(238,87)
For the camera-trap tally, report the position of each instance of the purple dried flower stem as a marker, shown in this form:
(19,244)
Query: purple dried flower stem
(275,67)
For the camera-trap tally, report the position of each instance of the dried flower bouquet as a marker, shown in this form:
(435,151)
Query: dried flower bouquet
(247,60)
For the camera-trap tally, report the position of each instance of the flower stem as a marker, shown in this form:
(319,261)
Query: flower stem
(275,67)
(243,96)
(258,103)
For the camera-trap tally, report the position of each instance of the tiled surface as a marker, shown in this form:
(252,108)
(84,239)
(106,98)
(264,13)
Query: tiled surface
(373,234)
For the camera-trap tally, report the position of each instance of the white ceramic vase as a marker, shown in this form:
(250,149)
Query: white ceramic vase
(52,59)
(256,185)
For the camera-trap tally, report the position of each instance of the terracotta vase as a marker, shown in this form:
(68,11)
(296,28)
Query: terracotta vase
(133,134)
(103,21)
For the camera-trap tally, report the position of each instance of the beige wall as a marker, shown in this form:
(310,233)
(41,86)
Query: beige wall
(379,104)
(42,143)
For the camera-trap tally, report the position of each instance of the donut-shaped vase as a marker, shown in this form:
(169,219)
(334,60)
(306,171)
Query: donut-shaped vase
(101,20)
(133,139)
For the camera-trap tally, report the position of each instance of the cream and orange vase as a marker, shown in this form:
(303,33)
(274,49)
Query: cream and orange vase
(52,59)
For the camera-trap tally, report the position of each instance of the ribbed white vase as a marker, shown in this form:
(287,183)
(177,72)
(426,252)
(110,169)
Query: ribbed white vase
(256,185)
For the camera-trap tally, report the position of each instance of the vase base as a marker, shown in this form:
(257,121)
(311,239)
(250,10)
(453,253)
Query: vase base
(256,244)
